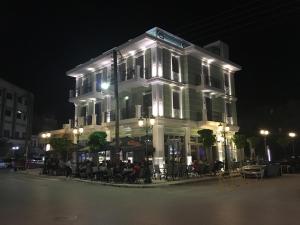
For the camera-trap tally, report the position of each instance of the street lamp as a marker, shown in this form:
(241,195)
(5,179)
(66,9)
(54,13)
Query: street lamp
(46,136)
(77,132)
(224,129)
(149,122)
(265,133)
(292,135)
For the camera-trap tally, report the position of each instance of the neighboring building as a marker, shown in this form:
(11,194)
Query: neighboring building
(16,110)
(186,88)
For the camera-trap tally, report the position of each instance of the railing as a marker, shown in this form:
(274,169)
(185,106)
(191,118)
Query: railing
(216,83)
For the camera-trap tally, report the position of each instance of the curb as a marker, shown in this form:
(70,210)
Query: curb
(158,185)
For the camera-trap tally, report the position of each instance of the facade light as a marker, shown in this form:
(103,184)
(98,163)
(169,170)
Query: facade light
(141,122)
(91,69)
(264,132)
(152,120)
(126,97)
(105,85)
(48,135)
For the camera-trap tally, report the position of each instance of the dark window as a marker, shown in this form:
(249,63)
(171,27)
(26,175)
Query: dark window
(9,96)
(0,92)
(83,111)
(175,64)
(229,109)
(208,104)
(140,66)
(20,100)
(226,80)
(19,115)
(98,82)
(7,112)
(130,70)
(17,134)
(205,75)
(6,133)
(176,104)
(122,71)
(24,116)
(24,135)
(147,102)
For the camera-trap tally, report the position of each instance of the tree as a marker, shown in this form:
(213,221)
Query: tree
(208,139)
(240,142)
(97,142)
(253,142)
(283,142)
(62,146)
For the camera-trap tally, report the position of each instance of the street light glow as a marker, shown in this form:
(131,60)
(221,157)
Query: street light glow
(43,135)
(48,135)
(141,122)
(264,132)
(80,130)
(75,131)
(292,134)
(152,120)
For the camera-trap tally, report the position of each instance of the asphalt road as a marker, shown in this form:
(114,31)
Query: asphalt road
(29,200)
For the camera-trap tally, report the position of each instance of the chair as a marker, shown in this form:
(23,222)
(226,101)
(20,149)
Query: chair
(157,172)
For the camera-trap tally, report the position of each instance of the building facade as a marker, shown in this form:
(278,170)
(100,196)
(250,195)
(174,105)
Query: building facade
(185,87)
(16,110)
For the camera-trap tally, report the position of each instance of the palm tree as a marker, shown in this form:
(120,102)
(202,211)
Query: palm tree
(253,142)
(208,139)
(240,142)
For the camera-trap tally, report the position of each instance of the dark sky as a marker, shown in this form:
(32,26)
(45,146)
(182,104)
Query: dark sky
(40,42)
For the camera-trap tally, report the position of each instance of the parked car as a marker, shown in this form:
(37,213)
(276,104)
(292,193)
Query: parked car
(262,169)
(3,164)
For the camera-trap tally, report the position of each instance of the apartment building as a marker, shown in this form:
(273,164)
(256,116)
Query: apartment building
(16,110)
(185,87)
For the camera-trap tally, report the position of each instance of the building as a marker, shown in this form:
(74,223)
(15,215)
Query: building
(16,110)
(184,86)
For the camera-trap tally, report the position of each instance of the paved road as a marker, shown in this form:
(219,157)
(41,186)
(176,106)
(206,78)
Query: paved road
(31,200)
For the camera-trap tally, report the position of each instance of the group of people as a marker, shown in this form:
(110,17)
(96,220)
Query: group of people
(199,167)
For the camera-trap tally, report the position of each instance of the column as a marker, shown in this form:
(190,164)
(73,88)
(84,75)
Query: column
(76,115)
(204,110)
(158,144)
(188,146)
(138,111)
(94,116)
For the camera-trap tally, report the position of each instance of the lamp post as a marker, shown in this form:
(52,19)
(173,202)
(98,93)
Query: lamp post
(77,132)
(292,135)
(149,122)
(46,136)
(224,129)
(265,133)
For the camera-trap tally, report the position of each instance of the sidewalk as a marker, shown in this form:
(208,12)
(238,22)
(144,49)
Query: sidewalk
(155,182)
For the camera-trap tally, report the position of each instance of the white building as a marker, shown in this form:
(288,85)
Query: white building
(184,86)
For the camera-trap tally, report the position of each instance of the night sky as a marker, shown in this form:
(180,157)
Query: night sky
(40,42)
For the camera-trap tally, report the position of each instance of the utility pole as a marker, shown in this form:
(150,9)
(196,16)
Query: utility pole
(117,138)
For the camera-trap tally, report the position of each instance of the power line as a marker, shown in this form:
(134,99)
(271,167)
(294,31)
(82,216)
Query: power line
(208,21)
(203,20)
(240,27)
(245,18)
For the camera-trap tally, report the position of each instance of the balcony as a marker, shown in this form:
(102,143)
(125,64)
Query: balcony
(215,116)
(213,86)
(88,91)
(134,79)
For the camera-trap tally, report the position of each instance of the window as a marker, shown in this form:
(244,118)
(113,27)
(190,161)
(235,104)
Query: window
(147,103)
(140,66)
(122,71)
(175,64)
(24,116)
(229,109)
(205,74)
(98,82)
(17,134)
(24,135)
(9,96)
(176,102)
(6,133)
(19,115)
(8,113)
(20,100)
(0,92)
(226,81)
